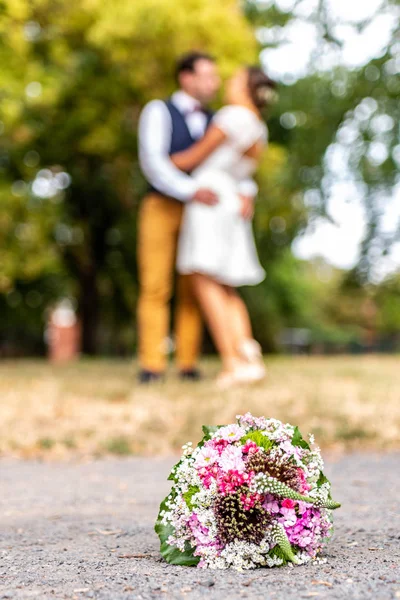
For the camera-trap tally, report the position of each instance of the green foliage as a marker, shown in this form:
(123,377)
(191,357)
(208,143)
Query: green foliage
(209,430)
(280,537)
(194,489)
(172,475)
(119,445)
(387,305)
(69,442)
(46,443)
(322,106)
(297,439)
(170,553)
(74,77)
(277,552)
(285,298)
(322,479)
(259,438)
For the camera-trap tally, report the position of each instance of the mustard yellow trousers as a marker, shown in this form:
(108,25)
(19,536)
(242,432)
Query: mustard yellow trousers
(158,230)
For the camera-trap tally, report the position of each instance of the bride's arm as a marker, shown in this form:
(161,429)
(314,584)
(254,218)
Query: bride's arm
(187,160)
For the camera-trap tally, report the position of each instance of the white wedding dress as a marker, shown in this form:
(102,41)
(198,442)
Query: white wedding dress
(216,240)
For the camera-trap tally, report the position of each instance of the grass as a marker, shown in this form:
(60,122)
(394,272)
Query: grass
(46,443)
(119,445)
(94,407)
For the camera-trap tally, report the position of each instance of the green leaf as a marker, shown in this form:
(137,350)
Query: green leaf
(172,554)
(194,489)
(172,476)
(276,552)
(322,479)
(297,440)
(209,430)
(258,438)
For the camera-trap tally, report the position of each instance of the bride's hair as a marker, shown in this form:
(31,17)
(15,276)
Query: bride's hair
(261,87)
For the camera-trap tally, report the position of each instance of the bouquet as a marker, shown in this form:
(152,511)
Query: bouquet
(251,494)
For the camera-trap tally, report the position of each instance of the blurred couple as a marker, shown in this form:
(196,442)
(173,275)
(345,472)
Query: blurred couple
(196,220)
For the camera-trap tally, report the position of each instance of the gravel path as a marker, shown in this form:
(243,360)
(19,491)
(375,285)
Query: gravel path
(78,531)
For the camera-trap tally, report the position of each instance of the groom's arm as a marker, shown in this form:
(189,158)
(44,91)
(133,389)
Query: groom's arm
(189,159)
(155,128)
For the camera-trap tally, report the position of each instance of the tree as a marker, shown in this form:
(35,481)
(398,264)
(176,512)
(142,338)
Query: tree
(76,75)
(335,110)
(73,79)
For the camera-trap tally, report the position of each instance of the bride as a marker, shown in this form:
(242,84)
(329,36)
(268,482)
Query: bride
(216,246)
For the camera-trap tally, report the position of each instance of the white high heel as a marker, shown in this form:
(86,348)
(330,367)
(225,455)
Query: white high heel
(250,350)
(250,369)
(244,374)
(251,373)
(254,369)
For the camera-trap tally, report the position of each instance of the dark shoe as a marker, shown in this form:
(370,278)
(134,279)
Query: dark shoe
(190,375)
(150,377)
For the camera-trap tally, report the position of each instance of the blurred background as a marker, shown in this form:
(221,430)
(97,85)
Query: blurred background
(74,76)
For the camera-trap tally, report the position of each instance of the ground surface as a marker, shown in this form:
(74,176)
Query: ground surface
(84,530)
(94,407)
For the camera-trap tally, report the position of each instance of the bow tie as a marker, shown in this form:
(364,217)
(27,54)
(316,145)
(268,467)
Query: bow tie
(192,111)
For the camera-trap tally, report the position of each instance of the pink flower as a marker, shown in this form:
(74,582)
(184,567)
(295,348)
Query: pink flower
(199,531)
(206,457)
(250,448)
(249,501)
(288,503)
(309,529)
(229,482)
(271,504)
(302,507)
(219,445)
(208,475)
(232,459)
(303,485)
(288,517)
(304,539)
(291,450)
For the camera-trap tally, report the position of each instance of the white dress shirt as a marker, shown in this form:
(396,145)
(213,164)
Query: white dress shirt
(155,131)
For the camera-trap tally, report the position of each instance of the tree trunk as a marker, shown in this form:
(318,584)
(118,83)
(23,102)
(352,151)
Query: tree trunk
(89,311)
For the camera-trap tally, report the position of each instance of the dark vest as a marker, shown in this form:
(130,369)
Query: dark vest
(181,138)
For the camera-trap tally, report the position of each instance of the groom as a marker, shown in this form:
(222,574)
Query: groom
(166,127)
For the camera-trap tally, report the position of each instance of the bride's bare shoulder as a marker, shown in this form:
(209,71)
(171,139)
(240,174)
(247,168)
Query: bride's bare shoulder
(237,109)
(237,121)
(237,113)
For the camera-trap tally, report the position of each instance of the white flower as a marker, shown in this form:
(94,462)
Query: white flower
(206,457)
(186,474)
(230,433)
(242,555)
(232,459)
